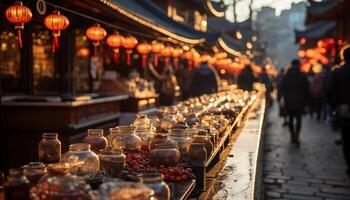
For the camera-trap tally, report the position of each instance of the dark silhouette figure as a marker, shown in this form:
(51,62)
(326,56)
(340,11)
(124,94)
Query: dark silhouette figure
(246,78)
(339,99)
(294,90)
(205,80)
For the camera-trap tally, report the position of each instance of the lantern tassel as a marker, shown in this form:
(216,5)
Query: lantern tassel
(19,37)
(156,60)
(190,65)
(176,63)
(166,61)
(128,59)
(144,61)
(115,57)
(95,50)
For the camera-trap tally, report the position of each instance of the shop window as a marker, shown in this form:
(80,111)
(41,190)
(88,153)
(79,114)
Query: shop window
(81,63)
(10,68)
(45,75)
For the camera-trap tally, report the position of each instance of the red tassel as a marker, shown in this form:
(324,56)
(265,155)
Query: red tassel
(19,37)
(56,42)
(95,50)
(53,46)
(176,63)
(190,64)
(144,61)
(166,61)
(156,60)
(115,57)
(128,58)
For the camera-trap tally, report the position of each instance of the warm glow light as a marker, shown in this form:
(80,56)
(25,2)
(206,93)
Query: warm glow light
(238,35)
(249,45)
(302,41)
(301,53)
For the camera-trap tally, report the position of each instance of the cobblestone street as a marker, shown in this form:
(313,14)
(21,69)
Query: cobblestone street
(314,171)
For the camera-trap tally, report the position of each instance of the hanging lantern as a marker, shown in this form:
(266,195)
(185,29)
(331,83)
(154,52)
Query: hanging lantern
(176,53)
(166,52)
(301,53)
(144,49)
(96,33)
(83,52)
(18,15)
(129,43)
(115,41)
(189,57)
(302,41)
(56,23)
(157,47)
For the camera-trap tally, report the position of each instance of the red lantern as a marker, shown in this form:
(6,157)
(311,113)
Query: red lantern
(189,57)
(301,53)
(176,53)
(96,33)
(129,43)
(144,49)
(302,41)
(166,52)
(115,41)
(18,15)
(56,23)
(157,47)
(83,52)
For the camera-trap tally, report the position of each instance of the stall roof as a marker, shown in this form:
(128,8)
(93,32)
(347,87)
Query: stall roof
(316,31)
(216,9)
(325,10)
(151,15)
(222,25)
(231,46)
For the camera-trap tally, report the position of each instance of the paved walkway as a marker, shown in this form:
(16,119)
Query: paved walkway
(314,171)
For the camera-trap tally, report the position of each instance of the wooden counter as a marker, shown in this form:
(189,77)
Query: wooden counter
(22,124)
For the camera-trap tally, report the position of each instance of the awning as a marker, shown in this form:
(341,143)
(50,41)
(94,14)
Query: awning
(224,26)
(152,16)
(231,46)
(316,31)
(217,9)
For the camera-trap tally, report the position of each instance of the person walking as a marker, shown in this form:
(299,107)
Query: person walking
(339,99)
(294,90)
(282,109)
(246,78)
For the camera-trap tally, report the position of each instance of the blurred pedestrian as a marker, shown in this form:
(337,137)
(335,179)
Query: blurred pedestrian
(205,80)
(282,108)
(317,94)
(339,98)
(184,76)
(294,89)
(246,78)
(265,79)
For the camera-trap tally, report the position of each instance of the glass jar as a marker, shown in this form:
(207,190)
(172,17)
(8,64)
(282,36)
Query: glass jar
(96,139)
(192,132)
(209,131)
(34,171)
(167,122)
(124,137)
(112,161)
(208,145)
(59,184)
(146,134)
(49,148)
(155,122)
(197,153)
(16,186)
(82,161)
(164,154)
(156,183)
(182,139)
(141,121)
(122,190)
(161,138)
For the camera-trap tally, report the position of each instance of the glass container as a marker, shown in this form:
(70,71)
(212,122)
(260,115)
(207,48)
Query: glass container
(161,138)
(164,154)
(112,161)
(82,161)
(122,190)
(209,131)
(146,134)
(17,186)
(182,139)
(155,122)
(34,171)
(59,184)
(124,137)
(49,148)
(141,120)
(156,183)
(197,153)
(208,145)
(167,122)
(96,139)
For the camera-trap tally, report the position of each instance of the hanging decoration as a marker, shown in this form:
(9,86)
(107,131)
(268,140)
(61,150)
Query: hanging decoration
(83,52)
(166,52)
(189,57)
(129,43)
(18,14)
(96,33)
(144,49)
(157,47)
(176,53)
(56,23)
(115,41)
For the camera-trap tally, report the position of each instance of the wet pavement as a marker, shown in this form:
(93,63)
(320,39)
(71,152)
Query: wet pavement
(314,171)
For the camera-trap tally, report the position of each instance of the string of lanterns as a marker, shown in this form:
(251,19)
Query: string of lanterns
(18,14)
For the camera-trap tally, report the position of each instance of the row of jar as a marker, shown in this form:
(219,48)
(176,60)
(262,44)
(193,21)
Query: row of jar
(39,182)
